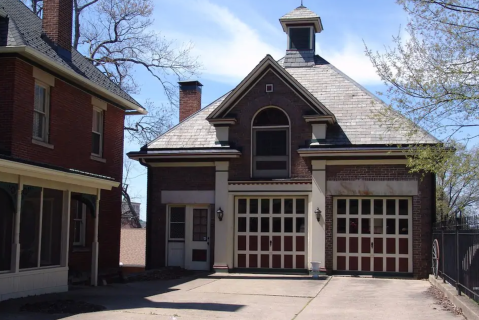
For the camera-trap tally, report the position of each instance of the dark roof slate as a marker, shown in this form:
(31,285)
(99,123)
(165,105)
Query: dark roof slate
(25,29)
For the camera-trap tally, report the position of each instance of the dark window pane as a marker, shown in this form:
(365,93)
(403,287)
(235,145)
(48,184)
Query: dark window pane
(200,225)
(264,205)
(253,224)
(300,38)
(390,226)
(299,205)
(253,206)
(353,225)
(276,224)
(276,205)
(341,228)
(366,226)
(199,255)
(271,143)
(390,206)
(95,143)
(403,207)
(403,226)
(271,165)
(51,227)
(300,225)
(288,225)
(264,224)
(366,206)
(353,206)
(177,230)
(271,117)
(6,230)
(341,206)
(177,214)
(29,227)
(241,205)
(288,205)
(378,206)
(241,224)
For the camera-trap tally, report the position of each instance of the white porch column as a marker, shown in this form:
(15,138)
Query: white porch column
(316,230)
(66,227)
(223,229)
(94,246)
(15,263)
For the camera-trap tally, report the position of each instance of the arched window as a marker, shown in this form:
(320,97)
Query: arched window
(270,144)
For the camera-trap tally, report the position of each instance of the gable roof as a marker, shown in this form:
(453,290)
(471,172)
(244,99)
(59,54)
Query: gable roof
(268,64)
(354,107)
(24,30)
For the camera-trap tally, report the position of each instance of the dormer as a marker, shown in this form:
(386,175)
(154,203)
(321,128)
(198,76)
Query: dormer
(301,26)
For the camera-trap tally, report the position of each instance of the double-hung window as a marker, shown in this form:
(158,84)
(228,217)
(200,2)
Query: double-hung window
(97,133)
(79,225)
(177,223)
(41,112)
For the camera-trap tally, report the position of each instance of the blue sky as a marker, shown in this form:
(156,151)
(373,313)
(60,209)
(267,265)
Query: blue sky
(230,37)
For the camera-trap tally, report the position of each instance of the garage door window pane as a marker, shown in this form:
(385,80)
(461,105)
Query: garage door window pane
(403,207)
(253,224)
(403,226)
(241,224)
(264,224)
(276,205)
(288,225)
(341,225)
(300,225)
(253,206)
(378,226)
(276,225)
(299,205)
(341,206)
(288,205)
(390,206)
(378,206)
(366,226)
(353,225)
(391,226)
(241,205)
(353,206)
(265,206)
(366,206)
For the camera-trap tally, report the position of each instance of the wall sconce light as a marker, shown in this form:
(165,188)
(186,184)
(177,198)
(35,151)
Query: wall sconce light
(220,213)
(318,214)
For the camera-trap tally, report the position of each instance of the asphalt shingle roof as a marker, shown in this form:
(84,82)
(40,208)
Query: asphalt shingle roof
(355,109)
(25,29)
(300,13)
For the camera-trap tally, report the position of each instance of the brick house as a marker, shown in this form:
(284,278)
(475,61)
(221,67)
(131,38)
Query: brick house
(61,154)
(290,167)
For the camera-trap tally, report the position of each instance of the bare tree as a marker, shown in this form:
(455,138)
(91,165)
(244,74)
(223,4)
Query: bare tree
(130,213)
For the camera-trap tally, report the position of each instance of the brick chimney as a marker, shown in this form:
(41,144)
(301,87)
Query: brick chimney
(57,22)
(190,98)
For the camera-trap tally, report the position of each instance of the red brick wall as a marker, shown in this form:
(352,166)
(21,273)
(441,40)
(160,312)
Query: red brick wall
(57,21)
(159,179)
(70,134)
(190,102)
(240,134)
(421,208)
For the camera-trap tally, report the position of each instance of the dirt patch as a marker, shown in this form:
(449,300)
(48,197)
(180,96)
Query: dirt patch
(443,301)
(159,274)
(62,307)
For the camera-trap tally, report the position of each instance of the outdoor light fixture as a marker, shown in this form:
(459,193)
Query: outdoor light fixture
(318,214)
(219,213)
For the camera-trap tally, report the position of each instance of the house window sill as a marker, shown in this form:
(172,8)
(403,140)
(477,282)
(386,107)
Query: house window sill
(43,144)
(97,158)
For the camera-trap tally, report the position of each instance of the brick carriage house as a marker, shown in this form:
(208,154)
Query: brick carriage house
(288,168)
(61,154)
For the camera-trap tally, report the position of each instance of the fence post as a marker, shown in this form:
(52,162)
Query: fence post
(458,287)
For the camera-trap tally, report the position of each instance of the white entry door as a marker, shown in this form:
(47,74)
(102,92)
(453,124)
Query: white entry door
(197,253)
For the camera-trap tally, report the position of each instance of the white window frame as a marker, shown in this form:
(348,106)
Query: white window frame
(270,173)
(311,37)
(46,114)
(82,220)
(170,222)
(100,121)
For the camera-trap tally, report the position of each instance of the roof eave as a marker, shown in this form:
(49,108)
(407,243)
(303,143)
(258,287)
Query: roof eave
(54,66)
(318,25)
(184,154)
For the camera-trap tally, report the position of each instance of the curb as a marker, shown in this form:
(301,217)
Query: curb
(469,308)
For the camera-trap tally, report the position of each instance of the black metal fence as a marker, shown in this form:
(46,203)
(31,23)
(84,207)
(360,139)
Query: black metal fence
(459,253)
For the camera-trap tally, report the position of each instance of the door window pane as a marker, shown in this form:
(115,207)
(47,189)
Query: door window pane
(378,206)
(391,206)
(299,205)
(403,207)
(253,224)
(265,206)
(341,206)
(288,225)
(200,225)
(366,206)
(288,205)
(241,205)
(51,227)
(341,228)
(253,206)
(177,223)
(276,225)
(276,205)
(353,206)
(30,227)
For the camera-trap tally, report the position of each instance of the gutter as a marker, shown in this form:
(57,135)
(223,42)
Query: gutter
(348,152)
(55,66)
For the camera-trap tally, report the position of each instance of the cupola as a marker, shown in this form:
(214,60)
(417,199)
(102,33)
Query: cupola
(301,26)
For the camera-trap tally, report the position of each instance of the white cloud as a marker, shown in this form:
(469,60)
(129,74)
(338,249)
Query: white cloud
(352,60)
(232,52)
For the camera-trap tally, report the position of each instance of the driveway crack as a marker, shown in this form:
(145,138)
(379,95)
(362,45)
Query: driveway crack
(320,290)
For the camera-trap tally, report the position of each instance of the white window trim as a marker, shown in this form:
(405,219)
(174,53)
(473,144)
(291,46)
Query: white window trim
(46,127)
(101,120)
(288,45)
(80,243)
(170,222)
(273,174)
(270,85)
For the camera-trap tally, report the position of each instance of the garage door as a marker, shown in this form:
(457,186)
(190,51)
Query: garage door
(372,234)
(270,232)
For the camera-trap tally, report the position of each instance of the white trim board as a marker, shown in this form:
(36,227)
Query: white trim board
(303,187)
(188,197)
(376,188)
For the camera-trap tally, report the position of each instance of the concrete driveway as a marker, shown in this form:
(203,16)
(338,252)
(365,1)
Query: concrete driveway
(239,296)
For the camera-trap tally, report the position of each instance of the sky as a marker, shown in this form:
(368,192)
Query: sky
(230,37)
